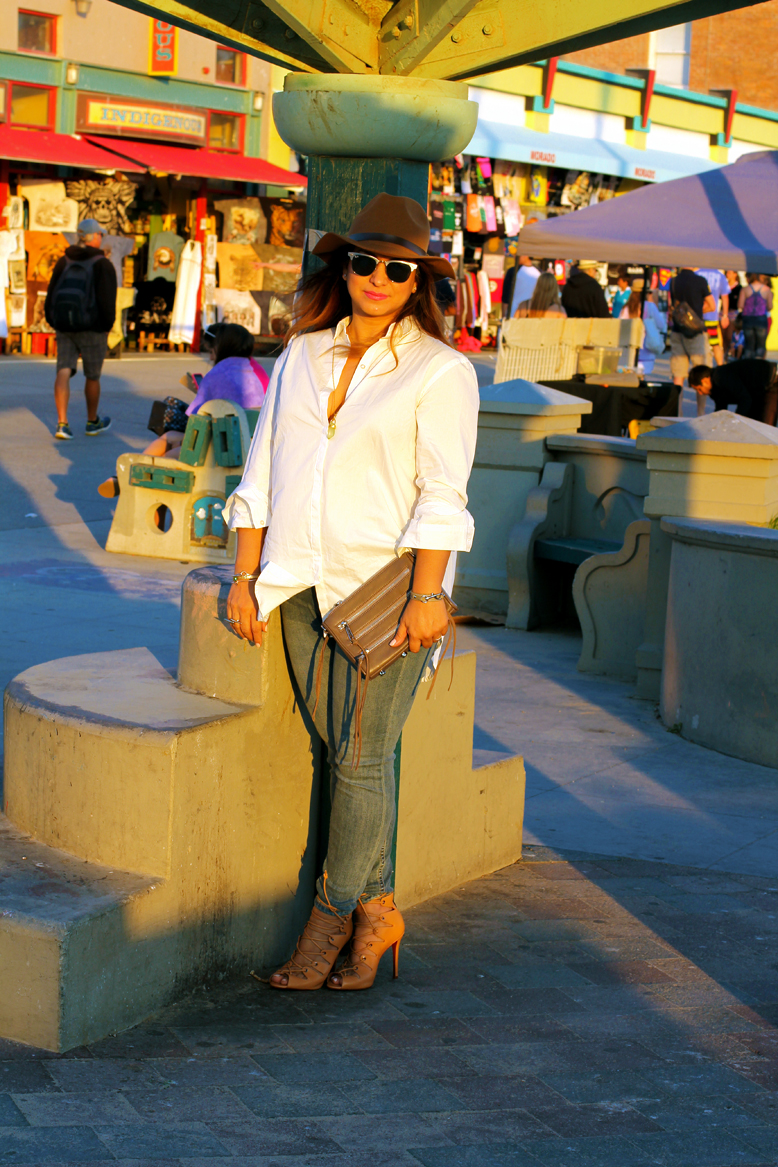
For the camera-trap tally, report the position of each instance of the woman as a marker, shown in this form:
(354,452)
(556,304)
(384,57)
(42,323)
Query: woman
(235,376)
(363,450)
(654,325)
(545,299)
(730,311)
(755,305)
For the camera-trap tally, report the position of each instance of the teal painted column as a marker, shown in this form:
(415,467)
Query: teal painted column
(338,188)
(365,136)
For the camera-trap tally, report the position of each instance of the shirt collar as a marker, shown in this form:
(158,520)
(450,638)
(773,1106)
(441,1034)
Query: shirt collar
(405,329)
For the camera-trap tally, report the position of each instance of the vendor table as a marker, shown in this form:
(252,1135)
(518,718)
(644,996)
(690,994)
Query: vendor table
(615,406)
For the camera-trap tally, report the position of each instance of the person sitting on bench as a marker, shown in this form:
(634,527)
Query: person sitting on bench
(235,376)
(750,385)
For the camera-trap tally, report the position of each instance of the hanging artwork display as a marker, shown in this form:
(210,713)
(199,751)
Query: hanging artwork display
(43,252)
(164,253)
(239,267)
(39,322)
(577,191)
(237,308)
(281,267)
(13,212)
(244,220)
(17,311)
(210,253)
(286,222)
(50,209)
(117,248)
(17,276)
(106,200)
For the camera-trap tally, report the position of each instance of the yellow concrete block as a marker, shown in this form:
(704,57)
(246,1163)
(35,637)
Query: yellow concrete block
(437,781)
(186,820)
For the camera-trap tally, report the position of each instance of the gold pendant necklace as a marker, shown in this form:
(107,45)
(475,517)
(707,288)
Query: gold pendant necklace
(331,428)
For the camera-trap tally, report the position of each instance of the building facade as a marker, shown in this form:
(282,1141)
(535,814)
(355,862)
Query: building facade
(165,138)
(718,53)
(52,53)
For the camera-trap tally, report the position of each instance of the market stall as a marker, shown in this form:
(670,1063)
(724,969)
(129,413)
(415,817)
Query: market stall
(195,235)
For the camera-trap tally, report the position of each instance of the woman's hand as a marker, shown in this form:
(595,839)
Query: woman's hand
(242,606)
(422,624)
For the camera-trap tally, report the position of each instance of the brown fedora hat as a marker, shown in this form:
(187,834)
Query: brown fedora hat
(391,226)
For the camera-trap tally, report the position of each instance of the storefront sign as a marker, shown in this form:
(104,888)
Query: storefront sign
(134,119)
(645,173)
(163,49)
(543,156)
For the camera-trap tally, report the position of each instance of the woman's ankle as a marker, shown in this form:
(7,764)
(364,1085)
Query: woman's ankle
(330,909)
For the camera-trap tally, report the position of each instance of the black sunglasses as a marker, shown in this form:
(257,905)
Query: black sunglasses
(398,271)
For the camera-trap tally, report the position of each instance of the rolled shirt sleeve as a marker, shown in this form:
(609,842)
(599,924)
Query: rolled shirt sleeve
(447,427)
(250,505)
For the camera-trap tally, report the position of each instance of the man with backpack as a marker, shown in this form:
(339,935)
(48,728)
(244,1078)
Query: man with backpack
(690,299)
(81,308)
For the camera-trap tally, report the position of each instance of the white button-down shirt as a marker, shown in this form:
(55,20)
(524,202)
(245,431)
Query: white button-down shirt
(394,474)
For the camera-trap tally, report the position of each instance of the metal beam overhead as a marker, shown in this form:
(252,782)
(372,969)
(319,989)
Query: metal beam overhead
(445,39)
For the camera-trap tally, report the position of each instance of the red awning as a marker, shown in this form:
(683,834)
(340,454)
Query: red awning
(199,163)
(56,149)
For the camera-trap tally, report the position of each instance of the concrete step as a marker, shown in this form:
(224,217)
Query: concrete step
(179,818)
(55,910)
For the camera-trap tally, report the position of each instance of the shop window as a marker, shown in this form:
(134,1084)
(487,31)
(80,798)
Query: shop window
(37,33)
(31,105)
(224,131)
(230,67)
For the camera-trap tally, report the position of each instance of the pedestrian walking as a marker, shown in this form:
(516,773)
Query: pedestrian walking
(525,279)
(689,299)
(755,305)
(623,292)
(81,308)
(582,295)
(362,452)
(717,319)
(731,311)
(653,343)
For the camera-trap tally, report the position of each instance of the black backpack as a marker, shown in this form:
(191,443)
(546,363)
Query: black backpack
(74,307)
(683,316)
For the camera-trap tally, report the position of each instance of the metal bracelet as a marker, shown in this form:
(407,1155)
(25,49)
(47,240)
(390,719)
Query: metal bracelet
(244,577)
(428,598)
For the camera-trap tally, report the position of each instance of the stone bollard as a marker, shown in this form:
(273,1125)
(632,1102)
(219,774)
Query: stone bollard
(719,467)
(720,681)
(514,420)
(177,823)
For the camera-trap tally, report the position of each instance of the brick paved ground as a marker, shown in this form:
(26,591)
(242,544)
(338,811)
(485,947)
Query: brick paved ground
(567,1010)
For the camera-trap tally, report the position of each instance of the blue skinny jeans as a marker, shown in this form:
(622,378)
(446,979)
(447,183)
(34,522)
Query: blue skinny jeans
(362,816)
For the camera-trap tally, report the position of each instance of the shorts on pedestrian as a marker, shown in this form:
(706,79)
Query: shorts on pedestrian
(90,346)
(714,333)
(686,351)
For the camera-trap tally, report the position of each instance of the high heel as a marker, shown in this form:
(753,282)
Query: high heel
(319,946)
(378,926)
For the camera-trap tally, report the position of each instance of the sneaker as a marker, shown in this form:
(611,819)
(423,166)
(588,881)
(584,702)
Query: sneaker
(63,432)
(98,426)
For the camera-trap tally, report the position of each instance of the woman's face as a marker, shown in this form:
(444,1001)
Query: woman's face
(375,295)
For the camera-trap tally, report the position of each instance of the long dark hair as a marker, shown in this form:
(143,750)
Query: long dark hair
(232,340)
(323,301)
(545,295)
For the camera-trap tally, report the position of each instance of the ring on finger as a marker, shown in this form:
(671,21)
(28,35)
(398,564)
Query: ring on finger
(231,621)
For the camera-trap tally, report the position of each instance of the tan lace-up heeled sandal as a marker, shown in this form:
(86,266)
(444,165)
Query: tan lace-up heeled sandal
(378,926)
(321,943)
